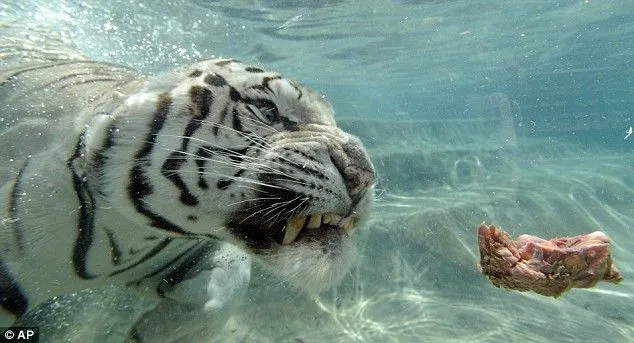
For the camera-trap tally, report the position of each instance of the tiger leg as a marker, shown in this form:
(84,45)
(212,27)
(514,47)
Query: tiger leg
(198,297)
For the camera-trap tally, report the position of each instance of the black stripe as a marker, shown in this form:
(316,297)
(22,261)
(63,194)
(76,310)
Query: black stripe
(225,62)
(221,120)
(169,170)
(267,80)
(161,268)
(202,183)
(234,95)
(205,153)
(303,154)
(86,220)
(298,166)
(12,298)
(178,273)
(157,249)
(290,125)
(114,248)
(237,125)
(260,88)
(99,159)
(224,183)
(139,186)
(216,80)
(253,70)
(202,156)
(16,193)
(202,98)
(297,88)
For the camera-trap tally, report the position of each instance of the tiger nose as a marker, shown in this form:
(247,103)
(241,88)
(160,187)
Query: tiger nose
(357,169)
(357,179)
(354,164)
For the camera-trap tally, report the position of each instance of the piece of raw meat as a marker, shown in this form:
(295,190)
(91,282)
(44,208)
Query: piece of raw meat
(548,267)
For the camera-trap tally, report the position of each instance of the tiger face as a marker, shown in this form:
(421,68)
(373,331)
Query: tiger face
(254,158)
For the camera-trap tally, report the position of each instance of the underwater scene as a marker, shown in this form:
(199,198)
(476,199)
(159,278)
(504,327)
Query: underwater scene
(512,113)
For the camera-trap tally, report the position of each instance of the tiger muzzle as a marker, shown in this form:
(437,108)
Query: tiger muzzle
(355,167)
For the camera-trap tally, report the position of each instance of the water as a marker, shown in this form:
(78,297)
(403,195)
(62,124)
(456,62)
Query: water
(505,111)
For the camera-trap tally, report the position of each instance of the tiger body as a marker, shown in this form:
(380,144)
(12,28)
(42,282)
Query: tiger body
(170,184)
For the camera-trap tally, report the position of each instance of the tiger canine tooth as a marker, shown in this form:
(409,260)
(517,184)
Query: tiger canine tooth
(314,222)
(327,218)
(293,227)
(347,224)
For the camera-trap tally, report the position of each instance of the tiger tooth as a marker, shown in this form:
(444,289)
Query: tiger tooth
(336,219)
(294,226)
(327,218)
(314,222)
(347,224)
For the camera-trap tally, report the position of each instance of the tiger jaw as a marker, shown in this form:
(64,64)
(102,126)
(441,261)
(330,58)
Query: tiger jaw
(296,224)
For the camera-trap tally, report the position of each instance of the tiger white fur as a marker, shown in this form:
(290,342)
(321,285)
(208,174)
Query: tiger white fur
(169,185)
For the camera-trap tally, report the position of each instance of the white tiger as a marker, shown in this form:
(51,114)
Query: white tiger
(161,183)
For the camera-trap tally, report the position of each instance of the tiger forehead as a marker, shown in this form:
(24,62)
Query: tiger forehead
(255,81)
(232,70)
(244,78)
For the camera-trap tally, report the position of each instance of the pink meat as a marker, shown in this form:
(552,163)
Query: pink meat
(548,267)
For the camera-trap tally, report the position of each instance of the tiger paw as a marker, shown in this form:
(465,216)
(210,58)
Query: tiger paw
(197,307)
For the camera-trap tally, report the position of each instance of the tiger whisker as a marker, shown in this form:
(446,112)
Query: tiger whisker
(252,120)
(186,153)
(256,148)
(249,137)
(170,172)
(274,207)
(264,168)
(264,147)
(233,178)
(256,122)
(291,212)
(270,208)
(215,146)
(252,200)
(299,182)
(252,189)
(261,125)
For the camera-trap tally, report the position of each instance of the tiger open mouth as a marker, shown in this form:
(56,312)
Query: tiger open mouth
(296,225)
(263,233)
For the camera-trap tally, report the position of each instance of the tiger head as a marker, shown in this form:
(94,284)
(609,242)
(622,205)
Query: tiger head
(254,158)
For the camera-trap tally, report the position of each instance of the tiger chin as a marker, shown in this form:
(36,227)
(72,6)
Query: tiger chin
(170,185)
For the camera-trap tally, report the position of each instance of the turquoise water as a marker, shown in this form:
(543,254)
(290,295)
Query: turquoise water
(513,112)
